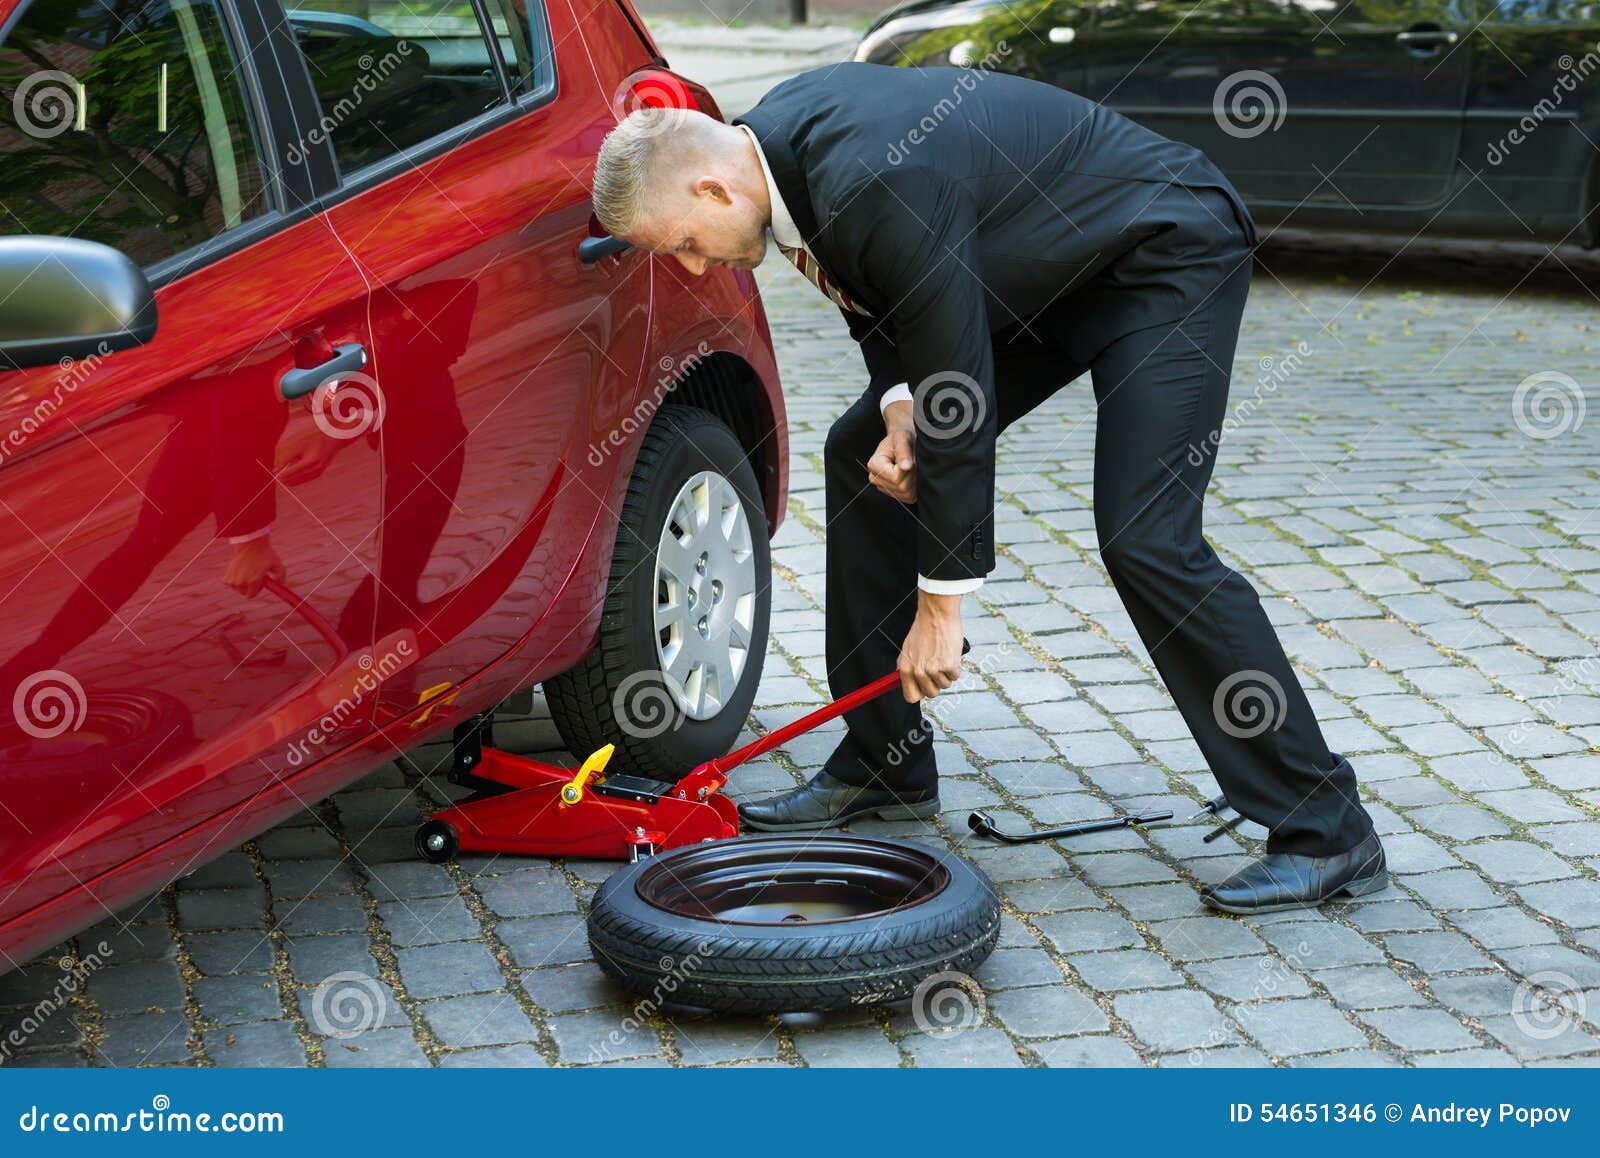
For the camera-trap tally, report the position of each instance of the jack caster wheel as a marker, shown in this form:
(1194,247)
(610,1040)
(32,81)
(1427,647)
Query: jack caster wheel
(437,841)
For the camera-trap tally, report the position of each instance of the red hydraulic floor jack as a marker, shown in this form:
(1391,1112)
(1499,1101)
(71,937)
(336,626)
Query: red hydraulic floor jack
(529,808)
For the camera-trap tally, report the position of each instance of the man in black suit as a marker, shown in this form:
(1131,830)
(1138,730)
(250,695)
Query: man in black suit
(988,239)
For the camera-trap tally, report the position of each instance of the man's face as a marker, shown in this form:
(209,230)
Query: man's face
(709,226)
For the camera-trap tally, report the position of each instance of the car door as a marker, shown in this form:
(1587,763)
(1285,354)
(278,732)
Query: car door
(180,542)
(1531,117)
(1345,103)
(462,165)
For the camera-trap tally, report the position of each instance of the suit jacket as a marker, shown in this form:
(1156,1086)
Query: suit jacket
(954,203)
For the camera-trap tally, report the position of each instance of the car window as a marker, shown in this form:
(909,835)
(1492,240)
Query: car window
(515,32)
(123,122)
(391,74)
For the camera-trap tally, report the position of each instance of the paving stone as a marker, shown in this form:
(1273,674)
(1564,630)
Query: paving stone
(216,954)
(1175,1019)
(1503,928)
(482,1019)
(238,999)
(1368,987)
(1059,894)
(375,1049)
(1079,932)
(1320,945)
(716,1041)
(449,969)
(1123,970)
(270,1044)
(140,988)
(1086,1052)
(495,1057)
(1516,862)
(853,1047)
(1047,1011)
(1435,953)
(979,1048)
(1454,889)
(1575,903)
(1420,1030)
(428,921)
(145,1039)
(1016,969)
(1249,978)
(1296,1026)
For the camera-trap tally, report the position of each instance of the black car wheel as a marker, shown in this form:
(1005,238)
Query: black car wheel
(684,629)
(787,923)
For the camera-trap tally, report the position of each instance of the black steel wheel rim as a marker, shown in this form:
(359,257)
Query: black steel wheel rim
(793,881)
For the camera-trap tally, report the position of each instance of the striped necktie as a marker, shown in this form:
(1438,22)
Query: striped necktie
(817,276)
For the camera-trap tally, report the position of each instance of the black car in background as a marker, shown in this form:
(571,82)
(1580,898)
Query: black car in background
(1446,117)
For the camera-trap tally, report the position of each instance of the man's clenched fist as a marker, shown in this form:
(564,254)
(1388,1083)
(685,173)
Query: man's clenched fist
(930,659)
(893,466)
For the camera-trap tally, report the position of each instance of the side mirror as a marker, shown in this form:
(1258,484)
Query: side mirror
(65,298)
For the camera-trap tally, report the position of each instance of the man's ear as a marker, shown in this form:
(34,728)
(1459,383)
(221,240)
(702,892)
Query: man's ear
(715,187)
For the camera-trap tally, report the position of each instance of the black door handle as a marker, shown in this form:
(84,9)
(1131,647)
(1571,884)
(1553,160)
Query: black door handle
(347,359)
(592,249)
(1426,39)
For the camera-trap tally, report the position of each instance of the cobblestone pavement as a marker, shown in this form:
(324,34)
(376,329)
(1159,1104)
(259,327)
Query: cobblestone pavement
(1427,540)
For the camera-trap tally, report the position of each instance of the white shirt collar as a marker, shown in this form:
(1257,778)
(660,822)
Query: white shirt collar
(784,231)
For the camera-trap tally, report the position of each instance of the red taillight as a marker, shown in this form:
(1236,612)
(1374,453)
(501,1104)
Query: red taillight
(662,88)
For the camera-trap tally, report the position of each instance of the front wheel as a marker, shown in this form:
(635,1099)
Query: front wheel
(684,629)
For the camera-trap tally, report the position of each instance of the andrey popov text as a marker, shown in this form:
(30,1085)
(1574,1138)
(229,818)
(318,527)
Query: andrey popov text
(1450,1113)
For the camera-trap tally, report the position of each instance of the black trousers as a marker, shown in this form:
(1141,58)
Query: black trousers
(1160,392)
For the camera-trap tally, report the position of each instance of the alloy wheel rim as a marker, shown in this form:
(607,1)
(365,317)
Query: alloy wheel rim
(705,594)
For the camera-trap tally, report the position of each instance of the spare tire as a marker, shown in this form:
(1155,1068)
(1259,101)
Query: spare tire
(777,924)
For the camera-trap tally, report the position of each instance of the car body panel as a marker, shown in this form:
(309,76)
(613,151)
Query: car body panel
(531,364)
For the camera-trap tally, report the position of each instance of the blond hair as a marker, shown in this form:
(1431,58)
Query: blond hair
(646,148)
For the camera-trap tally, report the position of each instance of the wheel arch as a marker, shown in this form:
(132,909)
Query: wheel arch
(728,386)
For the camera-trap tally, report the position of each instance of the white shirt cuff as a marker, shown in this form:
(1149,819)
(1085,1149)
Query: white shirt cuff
(900,393)
(949,586)
(237,539)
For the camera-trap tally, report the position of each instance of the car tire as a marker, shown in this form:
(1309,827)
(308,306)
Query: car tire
(705,925)
(620,694)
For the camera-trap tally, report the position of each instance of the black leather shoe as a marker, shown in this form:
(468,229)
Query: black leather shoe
(827,802)
(1283,880)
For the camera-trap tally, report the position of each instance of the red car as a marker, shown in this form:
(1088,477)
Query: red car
(329,418)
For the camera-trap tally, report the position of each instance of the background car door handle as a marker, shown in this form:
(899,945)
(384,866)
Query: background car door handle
(592,249)
(1427,37)
(347,359)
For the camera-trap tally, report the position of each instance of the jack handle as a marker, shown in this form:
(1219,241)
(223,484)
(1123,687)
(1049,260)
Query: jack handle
(572,790)
(776,738)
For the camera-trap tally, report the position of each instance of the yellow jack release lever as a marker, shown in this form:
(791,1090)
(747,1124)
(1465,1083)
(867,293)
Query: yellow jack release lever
(572,790)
